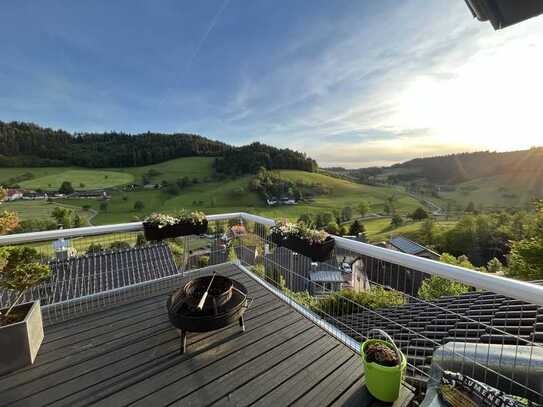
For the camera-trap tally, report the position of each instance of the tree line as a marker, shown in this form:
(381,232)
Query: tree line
(29,145)
(250,158)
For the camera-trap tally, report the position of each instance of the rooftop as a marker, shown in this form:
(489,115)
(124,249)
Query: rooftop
(129,354)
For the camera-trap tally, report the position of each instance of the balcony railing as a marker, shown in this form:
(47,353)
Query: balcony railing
(492,329)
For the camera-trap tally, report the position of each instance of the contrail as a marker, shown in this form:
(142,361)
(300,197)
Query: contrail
(210,28)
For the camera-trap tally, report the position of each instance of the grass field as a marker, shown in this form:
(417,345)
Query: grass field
(80,179)
(378,230)
(501,191)
(38,209)
(50,178)
(211,197)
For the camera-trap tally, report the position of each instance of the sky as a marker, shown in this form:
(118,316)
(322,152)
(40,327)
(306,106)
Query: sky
(351,83)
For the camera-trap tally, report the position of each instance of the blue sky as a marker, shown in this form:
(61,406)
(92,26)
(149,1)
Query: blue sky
(352,83)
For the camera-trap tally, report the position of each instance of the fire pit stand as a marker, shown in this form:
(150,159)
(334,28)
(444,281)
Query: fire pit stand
(225,304)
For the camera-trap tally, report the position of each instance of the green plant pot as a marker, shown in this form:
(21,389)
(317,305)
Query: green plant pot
(383,382)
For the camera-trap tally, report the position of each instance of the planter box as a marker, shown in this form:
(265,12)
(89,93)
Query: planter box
(153,232)
(20,342)
(315,251)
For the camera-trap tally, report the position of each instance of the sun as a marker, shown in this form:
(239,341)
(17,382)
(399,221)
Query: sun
(493,101)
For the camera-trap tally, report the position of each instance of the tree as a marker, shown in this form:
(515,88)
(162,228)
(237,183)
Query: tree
(396,221)
(103,206)
(66,188)
(20,269)
(173,189)
(78,221)
(435,286)
(419,214)
(81,185)
(139,206)
(63,216)
(346,213)
(494,266)
(427,231)
(356,228)
(332,228)
(8,220)
(86,207)
(526,259)
(363,208)
(343,230)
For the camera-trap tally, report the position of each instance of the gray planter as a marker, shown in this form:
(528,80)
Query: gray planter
(20,342)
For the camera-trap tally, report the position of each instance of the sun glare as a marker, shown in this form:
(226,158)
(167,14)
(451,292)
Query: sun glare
(493,101)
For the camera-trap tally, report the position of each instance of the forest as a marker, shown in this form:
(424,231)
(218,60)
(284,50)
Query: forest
(29,145)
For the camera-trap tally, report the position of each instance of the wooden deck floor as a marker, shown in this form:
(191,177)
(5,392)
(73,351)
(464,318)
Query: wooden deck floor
(129,355)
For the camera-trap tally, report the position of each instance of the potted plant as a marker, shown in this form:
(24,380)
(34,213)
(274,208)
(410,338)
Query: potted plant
(21,327)
(158,226)
(384,366)
(315,244)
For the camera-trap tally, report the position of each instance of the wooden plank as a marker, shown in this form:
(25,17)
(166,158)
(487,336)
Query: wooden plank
(156,351)
(294,387)
(265,383)
(333,385)
(119,339)
(152,381)
(207,384)
(230,385)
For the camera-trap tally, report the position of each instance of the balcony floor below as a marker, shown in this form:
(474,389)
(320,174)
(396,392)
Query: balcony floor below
(129,355)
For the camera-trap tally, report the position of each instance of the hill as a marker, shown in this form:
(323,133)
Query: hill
(50,178)
(458,168)
(26,144)
(233,194)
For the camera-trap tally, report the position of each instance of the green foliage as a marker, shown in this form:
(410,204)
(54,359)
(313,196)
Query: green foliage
(333,228)
(140,240)
(27,144)
(494,266)
(94,248)
(249,159)
(64,217)
(103,206)
(20,269)
(139,206)
(203,261)
(119,245)
(338,303)
(419,214)
(66,188)
(356,228)
(363,208)
(526,259)
(346,213)
(396,221)
(435,286)
(232,255)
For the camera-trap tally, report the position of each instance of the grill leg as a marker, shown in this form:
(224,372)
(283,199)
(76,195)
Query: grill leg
(242,324)
(183,335)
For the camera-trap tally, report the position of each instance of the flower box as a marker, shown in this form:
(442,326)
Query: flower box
(186,228)
(316,251)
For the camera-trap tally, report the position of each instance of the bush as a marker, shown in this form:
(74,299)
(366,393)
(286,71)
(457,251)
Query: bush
(66,188)
(20,269)
(203,261)
(94,248)
(119,245)
(435,286)
(139,206)
(377,297)
(419,214)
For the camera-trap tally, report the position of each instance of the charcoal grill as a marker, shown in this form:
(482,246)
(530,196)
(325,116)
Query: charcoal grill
(225,304)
